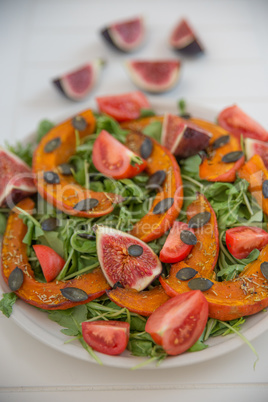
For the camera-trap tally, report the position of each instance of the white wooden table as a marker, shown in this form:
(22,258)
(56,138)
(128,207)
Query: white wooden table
(39,40)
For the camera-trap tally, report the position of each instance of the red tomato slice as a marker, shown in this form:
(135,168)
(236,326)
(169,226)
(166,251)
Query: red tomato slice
(108,337)
(242,240)
(113,159)
(174,249)
(234,120)
(51,262)
(123,107)
(178,323)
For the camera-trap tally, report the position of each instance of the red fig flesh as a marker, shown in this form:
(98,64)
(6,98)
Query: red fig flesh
(16,179)
(125,35)
(126,259)
(185,40)
(154,76)
(182,137)
(254,147)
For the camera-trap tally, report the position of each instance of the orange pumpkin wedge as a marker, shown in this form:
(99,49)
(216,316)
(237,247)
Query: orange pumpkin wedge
(67,193)
(212,168)
(43,295)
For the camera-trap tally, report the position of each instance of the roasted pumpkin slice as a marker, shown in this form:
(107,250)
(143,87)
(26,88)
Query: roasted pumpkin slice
(168,201)
(214,168)
(60,189)
(143,303)
(255,172)
(245,295)
(43,295)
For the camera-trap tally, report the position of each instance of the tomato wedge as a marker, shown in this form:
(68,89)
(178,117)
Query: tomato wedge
(108,337)
(178,323)
(175,249)
(51,262)
(123,107)
(115,160)
(241,240)
(237,122)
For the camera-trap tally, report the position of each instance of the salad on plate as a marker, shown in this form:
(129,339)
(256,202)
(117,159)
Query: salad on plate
(138,231)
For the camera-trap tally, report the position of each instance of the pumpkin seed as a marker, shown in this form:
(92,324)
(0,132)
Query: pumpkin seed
(52,145)
(87,236)
(199,220)
(146,148)
(185,274)
(79,123)
(86,205)
(202,284)
(188,237)
(15,279)
(66,169)
(219,142)
(135,250)
(49,224)
(265,188)
(51,177)
(156,180)
(232,156)
(74,294)
(186,116)
(163,206)
(118,285)
(264,269)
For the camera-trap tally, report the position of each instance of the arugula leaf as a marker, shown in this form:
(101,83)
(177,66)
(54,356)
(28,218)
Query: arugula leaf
(7,302)
(23,151)
(43,128)
(70,319)
(154,130)
(3,223)
(146,113)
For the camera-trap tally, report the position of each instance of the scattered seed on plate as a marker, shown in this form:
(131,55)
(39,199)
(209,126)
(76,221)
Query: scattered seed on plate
(202,284)
(86,205)
(66,169)
(163,206)
(49,224)
(52,145)
(15,279)
(185,274)
(265,188)
(146,148)
(87,236)
(156,180)
(199,220)
(219,142)
(135,250)
(79,123)
(188,237)
(118,285)
(74,294)
(264,269)
(232,156)
(51,177)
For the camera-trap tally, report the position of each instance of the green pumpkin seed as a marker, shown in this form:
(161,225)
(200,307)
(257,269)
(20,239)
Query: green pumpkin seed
(146,148)
(87,236)
(74,294)
(185,116)
(232,156)
(52,145)
(265,189)
(49,224)
(156,180)
(118,285)
(264,269)
(15,279)
(79,123)
(163,206)
(185,274)
(199,220)
(66,169)
(188,237)
(51,177)
(202,284)
(135,250)
(219,142)
(86,205)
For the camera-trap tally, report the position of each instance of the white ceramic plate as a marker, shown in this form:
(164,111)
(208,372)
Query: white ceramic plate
(40,327)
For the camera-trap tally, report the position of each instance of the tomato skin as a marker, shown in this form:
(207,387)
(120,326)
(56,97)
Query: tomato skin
(108,337)
(123,107)
(241,240)
(234,120)
(113,159)
(178,323)
(174,250)
(51,262)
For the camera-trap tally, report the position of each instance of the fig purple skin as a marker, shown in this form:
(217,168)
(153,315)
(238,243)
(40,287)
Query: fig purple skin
(191,143)
(192,49)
